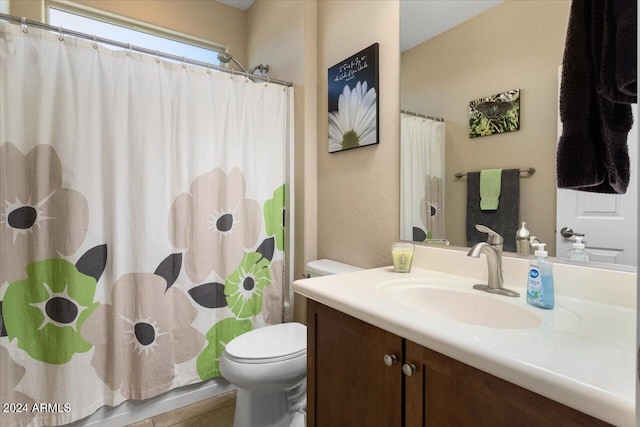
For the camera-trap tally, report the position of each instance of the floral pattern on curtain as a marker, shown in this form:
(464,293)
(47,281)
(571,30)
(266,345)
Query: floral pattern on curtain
(141,222)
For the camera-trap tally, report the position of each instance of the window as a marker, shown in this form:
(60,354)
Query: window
(85,24)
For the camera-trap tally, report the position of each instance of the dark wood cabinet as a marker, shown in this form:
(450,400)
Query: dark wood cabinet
(350,384)
(443,391)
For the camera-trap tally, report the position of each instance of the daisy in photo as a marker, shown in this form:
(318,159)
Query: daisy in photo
(354,124)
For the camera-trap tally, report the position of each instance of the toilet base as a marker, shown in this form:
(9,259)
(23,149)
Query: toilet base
(265,409)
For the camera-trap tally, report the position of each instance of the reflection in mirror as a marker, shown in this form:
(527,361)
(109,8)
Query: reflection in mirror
(503,46)
(421,177)
(607,223)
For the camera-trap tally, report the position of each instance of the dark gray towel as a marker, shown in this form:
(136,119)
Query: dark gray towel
(505,219)
(619,67)
(592,151)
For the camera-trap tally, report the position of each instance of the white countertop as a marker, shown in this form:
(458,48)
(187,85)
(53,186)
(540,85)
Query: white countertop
(581,355)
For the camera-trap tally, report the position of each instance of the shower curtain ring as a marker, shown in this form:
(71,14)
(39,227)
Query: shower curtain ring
(208,69)
(184,63)
(232,74)
(157,57)
(24,25)
(266,84)
(129,51)
(95,42)
(60,34)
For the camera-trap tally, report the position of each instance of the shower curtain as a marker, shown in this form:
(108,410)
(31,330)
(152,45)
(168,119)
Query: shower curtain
(141,222)
(422,178)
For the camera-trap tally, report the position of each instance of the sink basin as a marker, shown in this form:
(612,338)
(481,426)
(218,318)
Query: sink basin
(465,307)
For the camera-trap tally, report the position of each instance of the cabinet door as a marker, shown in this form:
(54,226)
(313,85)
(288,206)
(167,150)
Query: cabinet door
(445,392)
(349,383)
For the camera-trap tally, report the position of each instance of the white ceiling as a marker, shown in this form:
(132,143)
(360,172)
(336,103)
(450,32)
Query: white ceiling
(238,4)
(420,20)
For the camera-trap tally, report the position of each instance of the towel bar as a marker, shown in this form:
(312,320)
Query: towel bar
(528,171)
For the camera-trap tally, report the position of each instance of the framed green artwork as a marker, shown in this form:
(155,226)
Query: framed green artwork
(495,114)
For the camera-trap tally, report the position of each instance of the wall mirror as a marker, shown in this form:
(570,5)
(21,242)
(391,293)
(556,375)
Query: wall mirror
(473,49)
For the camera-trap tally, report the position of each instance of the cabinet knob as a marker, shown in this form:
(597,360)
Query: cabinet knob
(390,359)
(409,369)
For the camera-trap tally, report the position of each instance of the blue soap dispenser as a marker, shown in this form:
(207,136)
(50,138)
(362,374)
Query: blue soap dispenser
(540,280)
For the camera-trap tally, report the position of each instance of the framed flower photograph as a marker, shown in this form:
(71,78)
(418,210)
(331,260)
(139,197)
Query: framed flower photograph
(495,114)
(353,101)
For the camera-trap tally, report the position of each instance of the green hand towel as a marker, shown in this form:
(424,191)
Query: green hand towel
(490,189)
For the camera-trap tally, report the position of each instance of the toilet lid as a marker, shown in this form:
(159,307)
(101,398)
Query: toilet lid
(276,342)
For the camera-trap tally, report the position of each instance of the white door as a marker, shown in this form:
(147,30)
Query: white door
(608,221)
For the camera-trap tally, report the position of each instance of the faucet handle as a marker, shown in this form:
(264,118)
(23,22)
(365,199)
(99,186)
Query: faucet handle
(493,238)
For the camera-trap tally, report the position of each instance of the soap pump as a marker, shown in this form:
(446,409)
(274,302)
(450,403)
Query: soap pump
(578,253)
(540,280)
(522,240)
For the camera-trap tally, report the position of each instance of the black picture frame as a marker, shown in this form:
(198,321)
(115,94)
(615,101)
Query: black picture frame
(351,120)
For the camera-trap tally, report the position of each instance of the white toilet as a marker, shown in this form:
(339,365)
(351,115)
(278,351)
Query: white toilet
(269,367)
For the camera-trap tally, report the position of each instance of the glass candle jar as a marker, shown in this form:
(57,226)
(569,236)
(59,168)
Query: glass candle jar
(402,254)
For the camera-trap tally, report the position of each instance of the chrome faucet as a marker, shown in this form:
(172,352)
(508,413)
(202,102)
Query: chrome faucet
(492,248)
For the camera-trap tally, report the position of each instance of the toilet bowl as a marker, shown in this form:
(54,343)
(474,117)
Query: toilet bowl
(269,367)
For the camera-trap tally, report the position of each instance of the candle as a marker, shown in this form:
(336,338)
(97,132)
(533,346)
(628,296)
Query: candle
(402,254)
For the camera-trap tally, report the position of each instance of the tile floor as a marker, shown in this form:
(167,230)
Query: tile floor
(215,412)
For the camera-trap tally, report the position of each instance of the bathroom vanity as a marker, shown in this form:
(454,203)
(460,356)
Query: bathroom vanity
(347,357)
(424,348)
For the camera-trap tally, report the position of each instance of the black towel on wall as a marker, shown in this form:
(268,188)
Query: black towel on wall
(592,151)
(505,219)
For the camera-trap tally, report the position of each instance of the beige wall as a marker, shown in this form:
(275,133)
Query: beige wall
(358,201)
(518,44)
(208,20)
(30,9)
(283,35)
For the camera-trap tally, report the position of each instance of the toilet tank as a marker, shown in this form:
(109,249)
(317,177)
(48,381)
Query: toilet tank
(325,267)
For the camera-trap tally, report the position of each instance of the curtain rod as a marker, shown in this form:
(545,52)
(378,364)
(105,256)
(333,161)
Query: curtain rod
(26,23)
(529,171)
(424,116)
